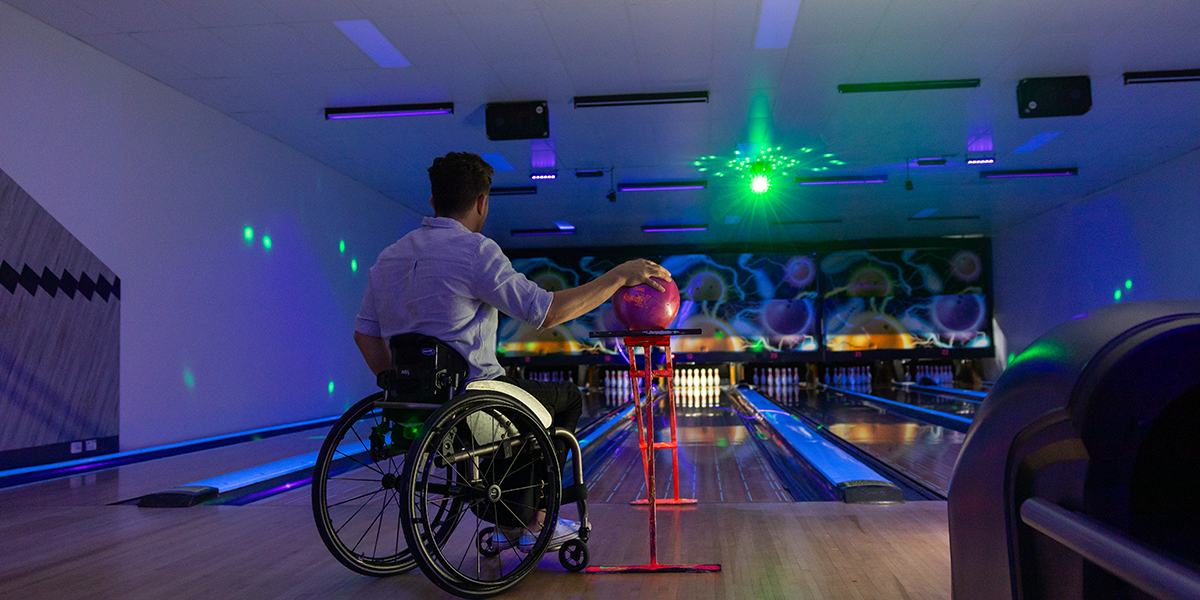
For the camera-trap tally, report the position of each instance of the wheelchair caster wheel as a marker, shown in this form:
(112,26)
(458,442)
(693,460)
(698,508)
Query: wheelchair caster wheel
(487,542)
(573,555)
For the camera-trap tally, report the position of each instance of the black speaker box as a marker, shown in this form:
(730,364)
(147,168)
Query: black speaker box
(1054,96)
(518,120)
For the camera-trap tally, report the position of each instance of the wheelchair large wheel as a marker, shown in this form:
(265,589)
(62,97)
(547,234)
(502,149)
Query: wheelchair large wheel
(355,491)
(503,478)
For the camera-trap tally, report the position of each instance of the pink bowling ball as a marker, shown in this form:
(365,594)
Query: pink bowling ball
(643,307)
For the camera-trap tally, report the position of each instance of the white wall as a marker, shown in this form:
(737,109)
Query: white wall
(160,188)
(1073,258)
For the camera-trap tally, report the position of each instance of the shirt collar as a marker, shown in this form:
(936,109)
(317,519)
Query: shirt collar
(442,222)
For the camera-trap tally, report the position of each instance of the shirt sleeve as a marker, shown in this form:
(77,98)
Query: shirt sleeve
(500,285)
(366,322)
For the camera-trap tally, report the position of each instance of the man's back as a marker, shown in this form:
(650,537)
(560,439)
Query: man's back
(445,281)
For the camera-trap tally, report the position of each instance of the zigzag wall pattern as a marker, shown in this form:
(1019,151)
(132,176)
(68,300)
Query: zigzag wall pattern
(68,284)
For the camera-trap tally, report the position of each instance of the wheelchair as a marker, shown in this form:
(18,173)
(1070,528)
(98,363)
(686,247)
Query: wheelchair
(440,475)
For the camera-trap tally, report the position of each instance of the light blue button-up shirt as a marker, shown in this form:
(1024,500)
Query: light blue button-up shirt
(444,281)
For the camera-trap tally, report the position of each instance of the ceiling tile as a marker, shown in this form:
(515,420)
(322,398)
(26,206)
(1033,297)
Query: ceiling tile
(325,39)
(314,10)
(222,13)
(509,37)
(410,8)
(276,48)
(199,51)
(591,30)
(64,16)
(673,28)
(735,25)
(675,72)
(125,49)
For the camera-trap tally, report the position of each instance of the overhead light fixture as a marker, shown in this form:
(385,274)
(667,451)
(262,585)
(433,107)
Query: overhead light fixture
(543,175)
(640,99)
(930,162)
(659,186)
(843,179)
(981,160)
(905,86)
(513,191)
(962,218)
(810,222)
(555,231)
(965,236)
(389,110)
(1162,76)
(564,225)
(1028,173)
(589,172)
(674,228)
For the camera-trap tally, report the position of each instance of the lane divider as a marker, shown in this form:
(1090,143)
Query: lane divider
(855,482)
(937,417)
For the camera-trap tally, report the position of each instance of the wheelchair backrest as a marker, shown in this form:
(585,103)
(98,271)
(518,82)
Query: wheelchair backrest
(424,369)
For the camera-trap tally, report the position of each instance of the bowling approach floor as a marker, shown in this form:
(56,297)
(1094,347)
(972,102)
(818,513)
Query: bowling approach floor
(62,538)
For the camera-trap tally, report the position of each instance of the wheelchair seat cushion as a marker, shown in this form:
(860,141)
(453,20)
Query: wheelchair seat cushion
(485,429)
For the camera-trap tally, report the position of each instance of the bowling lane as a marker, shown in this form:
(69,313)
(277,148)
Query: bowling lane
(718,460)
(922,451)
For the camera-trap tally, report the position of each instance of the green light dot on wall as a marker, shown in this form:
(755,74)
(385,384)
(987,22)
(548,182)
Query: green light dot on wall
(248,233)
(189,380)
(354,265)
(1117,296)
(267,242)
(342,246)
(1012,357)
(331,388)
(1129,284)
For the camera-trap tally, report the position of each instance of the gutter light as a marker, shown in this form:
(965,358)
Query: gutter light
(389,110)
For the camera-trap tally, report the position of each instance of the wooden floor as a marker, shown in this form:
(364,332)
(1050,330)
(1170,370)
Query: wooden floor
(768,550)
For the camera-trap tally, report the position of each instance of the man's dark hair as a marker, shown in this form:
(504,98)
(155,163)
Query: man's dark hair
(456,181)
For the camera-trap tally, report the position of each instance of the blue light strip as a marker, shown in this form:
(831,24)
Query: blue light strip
(832,462)
(933,413)
(93,460)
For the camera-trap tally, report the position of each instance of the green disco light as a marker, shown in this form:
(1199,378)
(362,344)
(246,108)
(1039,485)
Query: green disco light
(267,242)
(354,265)
(759,184)
(248,233)
(1129,284)
(189,380)
(759,163)
(331,388)
(342,246)
(1117,295)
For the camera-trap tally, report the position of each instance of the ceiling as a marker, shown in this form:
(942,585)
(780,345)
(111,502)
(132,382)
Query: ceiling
(275,65)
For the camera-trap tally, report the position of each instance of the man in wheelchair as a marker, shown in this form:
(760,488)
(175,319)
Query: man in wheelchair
(447,281)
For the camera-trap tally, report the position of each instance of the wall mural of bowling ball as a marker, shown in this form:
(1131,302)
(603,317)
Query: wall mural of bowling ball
(897,323)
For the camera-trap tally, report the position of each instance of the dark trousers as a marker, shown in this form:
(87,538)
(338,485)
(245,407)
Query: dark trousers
(561,398)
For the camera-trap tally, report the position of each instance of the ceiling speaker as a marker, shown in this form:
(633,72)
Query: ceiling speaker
(518,120)
(1054,96)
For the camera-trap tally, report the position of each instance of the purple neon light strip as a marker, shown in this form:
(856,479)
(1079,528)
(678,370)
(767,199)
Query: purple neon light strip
(660,188)
(669,229)
(399,113)
(841,181)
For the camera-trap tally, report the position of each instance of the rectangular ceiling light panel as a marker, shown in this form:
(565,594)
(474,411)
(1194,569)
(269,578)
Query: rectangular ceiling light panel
(497,161)
(640,99)
(1037,141)
(906,86)
(363,33)
(658,186)
(775,23)
(388,110)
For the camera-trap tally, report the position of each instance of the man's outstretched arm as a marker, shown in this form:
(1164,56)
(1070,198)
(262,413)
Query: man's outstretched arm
(375,351)
(577,301)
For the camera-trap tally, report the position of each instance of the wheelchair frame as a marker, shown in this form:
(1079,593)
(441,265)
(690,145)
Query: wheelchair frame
(390,493)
